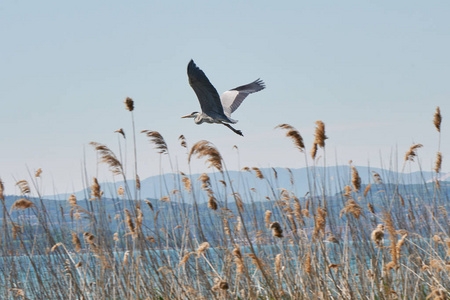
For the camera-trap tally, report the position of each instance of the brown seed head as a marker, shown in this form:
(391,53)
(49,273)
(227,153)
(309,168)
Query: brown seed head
(76,242)
(204,148)
(38,173)
(121,132)
(276,229)
(129,104)
(202,248)
(108,157)
(356,180)
(412,152)
(437,119)
(23,186)
(378,235)
(258,173)
(22,204)
(157,139)
(319,136)
(294,135)
(182,141)
(437,167)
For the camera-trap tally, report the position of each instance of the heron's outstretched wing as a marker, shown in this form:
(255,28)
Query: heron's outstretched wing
(233,98)
(206,93)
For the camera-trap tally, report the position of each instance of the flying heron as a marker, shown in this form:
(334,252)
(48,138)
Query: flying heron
(217,109)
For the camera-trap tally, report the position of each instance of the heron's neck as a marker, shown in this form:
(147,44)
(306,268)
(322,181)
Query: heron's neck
(198,118)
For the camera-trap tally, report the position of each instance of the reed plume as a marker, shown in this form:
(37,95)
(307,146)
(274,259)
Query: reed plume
(108,157)
(356,180)
(205,148)
(22,204)
(187,183)
(437,119)
(2,190)
(239,202)
(378,235)
(121,132)
(293,134)
(76,242)
(120,191)
(314,150)
(258,173)
(129,221)
(319,135)
(138,182)
(267,216)
(185,258)
(377,178)
(38,173)
(238,260)
(320,221)
(276,230)
(95,190)
(437,166)
(412,152)
(352,207)
(157,139)
(367,189)
(183,142)
(277,264)
(202,248)
(212,202)
(129,104)
(23,186)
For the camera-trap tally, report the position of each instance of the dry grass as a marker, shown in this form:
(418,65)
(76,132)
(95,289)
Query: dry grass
(350,241)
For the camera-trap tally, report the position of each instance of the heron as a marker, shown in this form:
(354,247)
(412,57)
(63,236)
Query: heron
(217,109)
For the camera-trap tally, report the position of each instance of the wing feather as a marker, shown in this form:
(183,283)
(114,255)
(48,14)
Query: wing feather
(206,93)
(233,98)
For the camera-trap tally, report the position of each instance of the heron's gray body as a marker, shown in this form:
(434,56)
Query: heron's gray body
(217,109)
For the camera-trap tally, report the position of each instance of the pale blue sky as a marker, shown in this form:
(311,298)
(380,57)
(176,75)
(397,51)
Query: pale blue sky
(373,71)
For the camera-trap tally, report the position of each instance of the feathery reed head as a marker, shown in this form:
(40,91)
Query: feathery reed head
(356,180)
(314,150)
(183,142)
(22,204)
(437,119)
(157,139)
(294,134)
(319,135)
(23,186)
(38,173)
(276,229)
(2,190)
(437,166)
(95,189)
(76,242)
(378,235)
(205,148)
(258,172)
(212,202)
(202,248)
(121,132)
(129,221)
(120,191)
(72,200)
(108,157)
(129,104)
(412,152)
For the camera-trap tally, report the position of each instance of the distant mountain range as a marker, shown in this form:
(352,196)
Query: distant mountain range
(336,178)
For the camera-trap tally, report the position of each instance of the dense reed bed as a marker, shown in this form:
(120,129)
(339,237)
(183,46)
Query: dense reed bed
(384,239)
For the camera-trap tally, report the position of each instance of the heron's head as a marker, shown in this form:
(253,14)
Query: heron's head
(192,115)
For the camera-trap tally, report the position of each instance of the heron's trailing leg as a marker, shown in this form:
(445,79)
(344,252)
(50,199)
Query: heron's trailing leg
(234,130)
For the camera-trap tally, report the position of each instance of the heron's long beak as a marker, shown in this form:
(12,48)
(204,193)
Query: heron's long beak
(186,116)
